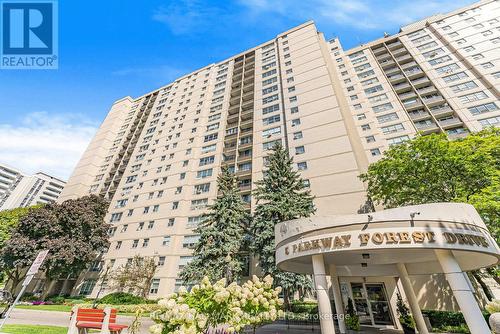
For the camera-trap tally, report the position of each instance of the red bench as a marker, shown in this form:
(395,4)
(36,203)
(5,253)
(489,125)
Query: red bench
(88,318)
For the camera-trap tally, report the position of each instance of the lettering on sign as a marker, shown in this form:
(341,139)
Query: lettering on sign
(386,238)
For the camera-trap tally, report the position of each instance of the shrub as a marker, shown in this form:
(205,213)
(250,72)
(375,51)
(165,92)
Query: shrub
(440,319)
(122,298)
(304,307)
(351,319)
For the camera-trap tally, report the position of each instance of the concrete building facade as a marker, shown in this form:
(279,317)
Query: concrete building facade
(156,157)
(20,190)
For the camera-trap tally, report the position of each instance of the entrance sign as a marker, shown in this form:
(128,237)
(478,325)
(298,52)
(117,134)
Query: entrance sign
(447,238)
(35,266)
(37,263)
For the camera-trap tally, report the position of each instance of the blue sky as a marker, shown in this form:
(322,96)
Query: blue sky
(113,48)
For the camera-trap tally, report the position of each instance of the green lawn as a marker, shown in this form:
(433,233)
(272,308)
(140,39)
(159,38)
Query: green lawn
(28,329)
(62,308)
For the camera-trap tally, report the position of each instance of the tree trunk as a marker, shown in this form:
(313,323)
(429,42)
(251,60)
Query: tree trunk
(15,277)
(286,299)
(49,285)
(477,276)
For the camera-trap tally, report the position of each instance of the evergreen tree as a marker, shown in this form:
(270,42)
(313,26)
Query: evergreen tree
(222,232)
(281,195)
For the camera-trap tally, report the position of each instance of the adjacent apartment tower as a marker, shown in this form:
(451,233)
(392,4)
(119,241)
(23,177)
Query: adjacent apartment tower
(156,157)
(20,190)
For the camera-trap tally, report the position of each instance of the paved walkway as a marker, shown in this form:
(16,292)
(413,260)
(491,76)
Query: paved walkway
(53,318)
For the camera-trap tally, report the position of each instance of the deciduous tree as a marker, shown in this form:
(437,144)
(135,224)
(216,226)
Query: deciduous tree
(74,232)
(135,277)
(432,168)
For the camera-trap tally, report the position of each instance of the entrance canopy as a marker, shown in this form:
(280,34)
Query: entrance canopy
(373,244)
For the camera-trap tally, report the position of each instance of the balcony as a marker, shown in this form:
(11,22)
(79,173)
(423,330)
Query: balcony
(378,50)
(404,59)
(387,63)
(427,90)
(420,82)
(407,95)
(442,111)
(384,57)
(402,87)
(394,45)
(396,78)
(414,73)
(457,133)
(427,128)
(434,100)
(419,115)
(413,105)
(451,122)
(399,52)
(408,65)
(392,70)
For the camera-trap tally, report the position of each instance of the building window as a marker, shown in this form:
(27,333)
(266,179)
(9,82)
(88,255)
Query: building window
(297,135)
(271,120)
(365,127)
(161,261)
(487,122)
(296,122)
(166,241)
(393,128)
(300,150)
(370,139)
(387,118)
(473,97)
(190,241)
(271,131)
(374,152)
(175,205)
(87,286)
(302,165)
(135,243)
(155,285)
(145,243)
(483,108)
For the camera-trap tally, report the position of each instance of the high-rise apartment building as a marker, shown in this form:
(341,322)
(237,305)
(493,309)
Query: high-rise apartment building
(21,190)
(438,75)
(156,157)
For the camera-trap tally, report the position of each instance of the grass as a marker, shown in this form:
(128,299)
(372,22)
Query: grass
(29,329)
(61,308)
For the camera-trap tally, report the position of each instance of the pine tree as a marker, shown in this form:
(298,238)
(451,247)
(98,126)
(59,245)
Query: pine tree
(281,195)
(217,254)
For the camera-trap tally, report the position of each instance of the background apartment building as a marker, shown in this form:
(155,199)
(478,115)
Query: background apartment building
(156,157)
(441,74)
(21,190)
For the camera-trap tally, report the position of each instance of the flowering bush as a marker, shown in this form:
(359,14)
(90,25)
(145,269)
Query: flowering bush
(493,306)
(210,305)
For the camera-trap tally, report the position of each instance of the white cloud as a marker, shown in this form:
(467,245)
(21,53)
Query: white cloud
(358,14)
(52,143)
(162,73)
(184,16)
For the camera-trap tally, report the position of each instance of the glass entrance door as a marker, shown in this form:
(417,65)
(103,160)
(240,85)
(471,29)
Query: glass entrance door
(371,304)
(361,304)
(379,306)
